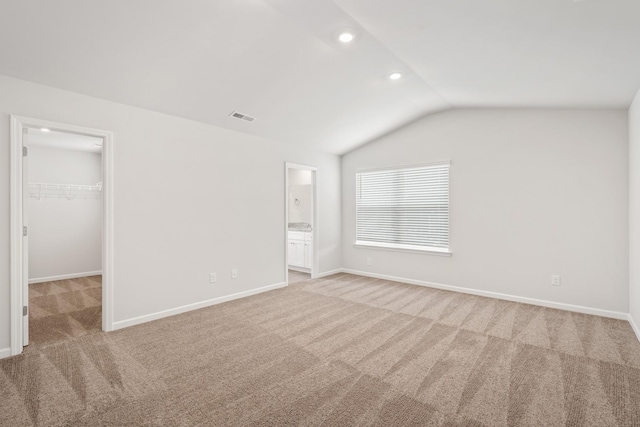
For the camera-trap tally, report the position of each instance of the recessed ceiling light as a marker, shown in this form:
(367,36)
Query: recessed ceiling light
(346,37)
(395,75)
(45,130)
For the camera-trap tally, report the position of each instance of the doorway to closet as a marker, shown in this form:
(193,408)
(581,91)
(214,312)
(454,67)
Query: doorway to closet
(301,225)
(61,232)
(64,211)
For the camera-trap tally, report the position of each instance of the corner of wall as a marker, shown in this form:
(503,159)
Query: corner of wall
(634,326)
(634,211)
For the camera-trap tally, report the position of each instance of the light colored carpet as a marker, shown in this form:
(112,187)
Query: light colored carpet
(64,309)
(339,351)
(297,277)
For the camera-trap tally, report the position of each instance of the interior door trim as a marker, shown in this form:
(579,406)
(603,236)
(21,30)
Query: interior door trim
(18,125)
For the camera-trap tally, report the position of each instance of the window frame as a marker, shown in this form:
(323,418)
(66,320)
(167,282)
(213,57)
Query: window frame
(402,247)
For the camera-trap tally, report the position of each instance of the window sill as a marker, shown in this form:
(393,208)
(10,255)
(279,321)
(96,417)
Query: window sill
(434,251)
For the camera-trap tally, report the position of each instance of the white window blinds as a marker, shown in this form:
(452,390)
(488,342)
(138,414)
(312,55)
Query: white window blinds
(405,208)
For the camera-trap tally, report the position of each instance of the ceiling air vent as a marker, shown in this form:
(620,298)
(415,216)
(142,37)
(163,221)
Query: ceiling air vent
(241,116)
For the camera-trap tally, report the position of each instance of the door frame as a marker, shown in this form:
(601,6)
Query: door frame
(314,218)
(18,125)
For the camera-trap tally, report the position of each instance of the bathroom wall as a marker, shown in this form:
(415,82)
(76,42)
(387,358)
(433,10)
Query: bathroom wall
(300,177)
(300,190)
(300,203)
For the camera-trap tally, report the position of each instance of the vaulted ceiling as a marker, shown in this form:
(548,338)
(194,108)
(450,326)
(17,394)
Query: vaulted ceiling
(280,61)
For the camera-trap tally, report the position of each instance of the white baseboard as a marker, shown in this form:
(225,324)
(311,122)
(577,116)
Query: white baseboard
(330,273)
(299,269)
(634,327)
(65,277)
(506,297)
(189,307)
(5,352)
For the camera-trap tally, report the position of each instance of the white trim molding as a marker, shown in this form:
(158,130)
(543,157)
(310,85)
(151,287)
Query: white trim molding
(300,269)
(330,273)
(635,327)
(65,277)
(190,307)
(15,207)
(5,352)
(543,303)
(399,249)
(18,125)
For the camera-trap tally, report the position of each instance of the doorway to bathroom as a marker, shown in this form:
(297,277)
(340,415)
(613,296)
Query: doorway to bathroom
(301,223)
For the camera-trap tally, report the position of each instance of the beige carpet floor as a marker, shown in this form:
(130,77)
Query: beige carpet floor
(64,309)
(298,276)
(339,351)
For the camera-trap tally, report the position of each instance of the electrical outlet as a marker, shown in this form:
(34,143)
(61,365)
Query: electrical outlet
(234,273)
(555,280)
(213,278)
(369,262)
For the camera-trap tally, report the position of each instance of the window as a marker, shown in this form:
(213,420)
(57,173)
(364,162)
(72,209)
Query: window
(404,208)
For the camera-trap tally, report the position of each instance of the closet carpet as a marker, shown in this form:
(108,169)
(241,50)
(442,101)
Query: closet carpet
(64,309)
(339,351)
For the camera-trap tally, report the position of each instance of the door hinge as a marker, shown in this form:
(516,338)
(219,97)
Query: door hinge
(24,151)
(25,310)
(24,231)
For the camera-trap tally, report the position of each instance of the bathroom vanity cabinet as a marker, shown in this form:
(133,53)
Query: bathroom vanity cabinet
(300,249)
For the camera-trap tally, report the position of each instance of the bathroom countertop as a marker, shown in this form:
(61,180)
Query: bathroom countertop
(299,226)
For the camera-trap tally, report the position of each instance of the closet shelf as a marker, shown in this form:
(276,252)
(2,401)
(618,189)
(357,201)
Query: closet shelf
(39,190)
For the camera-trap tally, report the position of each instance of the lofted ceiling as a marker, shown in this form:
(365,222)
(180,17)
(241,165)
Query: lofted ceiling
(280,62)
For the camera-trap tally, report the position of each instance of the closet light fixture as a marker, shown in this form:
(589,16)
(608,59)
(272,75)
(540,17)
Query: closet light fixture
(396,75)
(45,130)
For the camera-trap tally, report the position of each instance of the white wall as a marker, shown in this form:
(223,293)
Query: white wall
(184,203)
(634,213)
(300,203)
(65,235)
(300,188)
(533,193)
